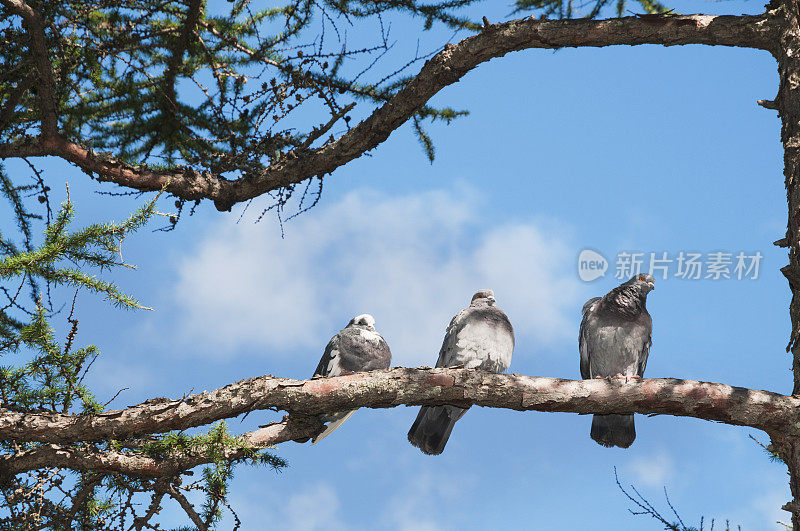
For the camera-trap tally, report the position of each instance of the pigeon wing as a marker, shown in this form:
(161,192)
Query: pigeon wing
(590,304)
(476,338)
(583,346)
(329,364)
(646,333)
(449,351)
(354,349)
(362,350)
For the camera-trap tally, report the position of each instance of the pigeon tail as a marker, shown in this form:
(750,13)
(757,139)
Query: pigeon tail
(335,420)
(433,426)
(613,430)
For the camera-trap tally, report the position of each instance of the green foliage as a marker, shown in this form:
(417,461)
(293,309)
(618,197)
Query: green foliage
(51,381)
(218,445)
(51,378)
(217,85)
(593,9)
(98,245)
(39,373)
(218,475)
(228,87)
(770,450)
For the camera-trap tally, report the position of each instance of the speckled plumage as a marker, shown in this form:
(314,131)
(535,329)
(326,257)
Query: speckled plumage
(614,339)
(478,337)
(357,348)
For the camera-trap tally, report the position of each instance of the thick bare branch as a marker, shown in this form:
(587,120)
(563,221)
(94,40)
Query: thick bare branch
(455,61)
(787,103)
(139,465)
(378,389)
(188,184)
(445,68)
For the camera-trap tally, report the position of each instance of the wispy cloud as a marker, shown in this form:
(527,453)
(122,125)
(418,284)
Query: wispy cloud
(763,511)
(653,470)
(411,261)
(313,507)
(425,502)
(316,508)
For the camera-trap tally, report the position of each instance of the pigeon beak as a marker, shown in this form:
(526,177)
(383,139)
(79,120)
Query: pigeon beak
(652,286)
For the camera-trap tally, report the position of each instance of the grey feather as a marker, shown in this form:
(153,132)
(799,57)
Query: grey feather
(614,339)
(357,348)
(478,337)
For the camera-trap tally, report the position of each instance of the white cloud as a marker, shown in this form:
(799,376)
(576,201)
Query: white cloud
(771,492)
(316,508)
(313,507)
(653,470)
(422,502)
(410,261)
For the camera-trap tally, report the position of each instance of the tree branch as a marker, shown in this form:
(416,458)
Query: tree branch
(140,522)
(787,102)
(186,183)
(189,24)
(39,50)
(455,61)
(139,465)
(423,386)
(445,68)
(9,107)
(771,412)
(187,507)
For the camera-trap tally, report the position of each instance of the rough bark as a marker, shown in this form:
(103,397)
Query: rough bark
(776,414)
(777,31)
(445,68)
(140,465)
(423,386)
(787,102)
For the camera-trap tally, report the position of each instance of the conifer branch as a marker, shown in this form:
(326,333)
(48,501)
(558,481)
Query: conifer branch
(7,110)
(139,464)
(40,52)
(173,64)
(187,507)
(445,68)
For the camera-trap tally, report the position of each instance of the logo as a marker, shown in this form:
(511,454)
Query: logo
(591,265)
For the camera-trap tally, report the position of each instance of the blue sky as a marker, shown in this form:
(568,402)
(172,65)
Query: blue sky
(648,148)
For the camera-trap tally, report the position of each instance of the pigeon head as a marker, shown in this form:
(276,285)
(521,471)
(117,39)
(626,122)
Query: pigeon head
(629,298)
(645,283)
(365,320)
(483,296)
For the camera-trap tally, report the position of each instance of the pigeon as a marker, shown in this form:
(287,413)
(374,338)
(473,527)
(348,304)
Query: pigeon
(357,348)
(478,337)
(614,341)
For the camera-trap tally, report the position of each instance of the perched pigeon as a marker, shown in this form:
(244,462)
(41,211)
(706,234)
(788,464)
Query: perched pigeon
(358,347)
(478,337)
(614,340)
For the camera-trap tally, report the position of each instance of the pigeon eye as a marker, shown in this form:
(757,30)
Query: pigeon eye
(641,277)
